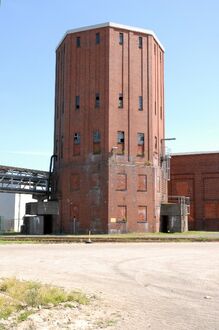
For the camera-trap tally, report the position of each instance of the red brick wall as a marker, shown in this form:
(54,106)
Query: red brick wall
(197,176)
(97,189)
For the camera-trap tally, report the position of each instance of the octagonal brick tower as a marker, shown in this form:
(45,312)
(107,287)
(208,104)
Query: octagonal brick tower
(109,130)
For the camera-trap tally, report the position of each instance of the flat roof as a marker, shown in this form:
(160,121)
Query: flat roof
(194,153)
(114,25)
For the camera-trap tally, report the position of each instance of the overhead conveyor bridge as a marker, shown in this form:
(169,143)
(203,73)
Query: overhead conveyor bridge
(23,180)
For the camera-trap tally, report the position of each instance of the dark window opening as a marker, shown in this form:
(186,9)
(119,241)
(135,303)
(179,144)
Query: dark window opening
(96,136)
(161,113)
(78,42)
(120,142)
(96,142)
(140,141)
(140,103)
(155,108)
(97,38)
(77,102)
(140,42)
(155,142)
(121,38)
(97,100)
(120,103)
(76,146)
(140,138)
(77,138)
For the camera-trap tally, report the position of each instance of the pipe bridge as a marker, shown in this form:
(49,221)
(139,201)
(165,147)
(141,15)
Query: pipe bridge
(23,180)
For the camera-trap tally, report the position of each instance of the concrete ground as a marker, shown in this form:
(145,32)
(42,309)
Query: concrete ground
(152,285)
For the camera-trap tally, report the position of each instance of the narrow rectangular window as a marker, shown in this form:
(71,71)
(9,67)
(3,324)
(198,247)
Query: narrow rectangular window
(77,102)
(97,100)
(121,213)
(120,103)
(140,103)
(155,107)
(77,138)
(121,181)
(120,142)
(121,38)
(161,113)
(140,42)
(142,182)
(140,139)
(155,142)
(97,38)
(78,42)
(74,182)
(76,144)
(140,148)
(142,213)
(96,136)
(96,142)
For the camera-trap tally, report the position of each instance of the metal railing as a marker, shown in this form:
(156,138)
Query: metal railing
(183,201)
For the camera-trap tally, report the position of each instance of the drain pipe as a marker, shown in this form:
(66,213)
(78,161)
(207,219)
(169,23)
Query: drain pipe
(52,158)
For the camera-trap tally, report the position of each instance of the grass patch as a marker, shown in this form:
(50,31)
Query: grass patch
(24,315)
(18,296)
(7,307)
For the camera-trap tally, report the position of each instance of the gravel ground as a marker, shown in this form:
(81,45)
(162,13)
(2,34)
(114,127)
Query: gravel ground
(138,285)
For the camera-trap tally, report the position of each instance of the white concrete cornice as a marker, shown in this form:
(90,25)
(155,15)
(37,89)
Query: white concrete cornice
(114,25)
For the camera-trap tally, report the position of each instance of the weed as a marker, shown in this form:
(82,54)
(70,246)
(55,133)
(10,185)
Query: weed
(24,315)
(18,294)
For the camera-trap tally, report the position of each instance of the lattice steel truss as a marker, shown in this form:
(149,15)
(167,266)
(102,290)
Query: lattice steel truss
(23,180)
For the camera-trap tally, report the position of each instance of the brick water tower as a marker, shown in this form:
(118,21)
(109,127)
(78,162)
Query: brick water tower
(110,171)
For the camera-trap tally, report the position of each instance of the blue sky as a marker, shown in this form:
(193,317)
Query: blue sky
(30,31)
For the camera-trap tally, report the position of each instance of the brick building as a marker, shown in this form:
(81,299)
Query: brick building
(197,175)
(110,172)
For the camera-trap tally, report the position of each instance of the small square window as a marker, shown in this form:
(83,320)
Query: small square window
(77,138)
(140,103)
(140,42)
(78,42)
(97,38)
(97,100)
(121,38)
(77,101)
(120,103)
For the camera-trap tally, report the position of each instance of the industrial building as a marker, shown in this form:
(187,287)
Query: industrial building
(111,170)
(12,211)
(196,175)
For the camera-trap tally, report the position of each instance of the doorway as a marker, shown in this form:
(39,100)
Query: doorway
(164,224)
(48,227)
